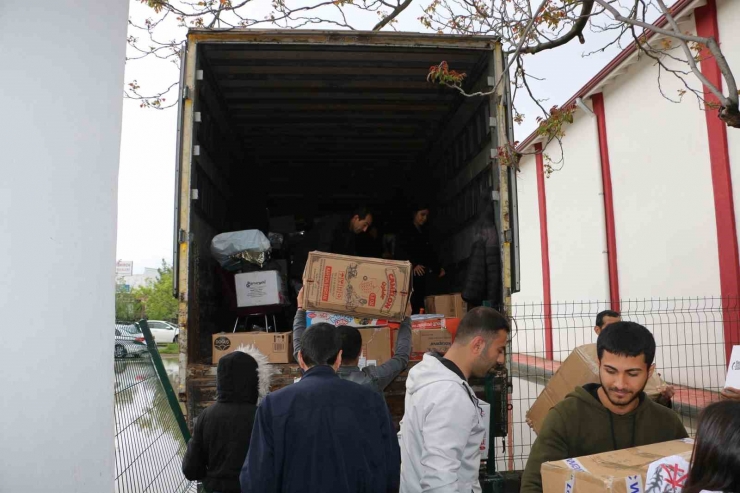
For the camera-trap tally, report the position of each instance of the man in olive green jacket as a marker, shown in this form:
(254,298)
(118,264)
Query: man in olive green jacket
(611,416)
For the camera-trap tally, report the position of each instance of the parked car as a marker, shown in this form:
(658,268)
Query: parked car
(163,332)
(129,341)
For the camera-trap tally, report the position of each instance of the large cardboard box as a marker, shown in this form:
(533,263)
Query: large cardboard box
(259,288)
(361,287)
(277,346)
(449,305)
(578,369)
(425,340)
(631,470)
(376,346)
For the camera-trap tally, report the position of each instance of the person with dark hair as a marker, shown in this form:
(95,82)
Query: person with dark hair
(415,246)
(336,233)
(612,415)
(715,462)
(375,377)
(483,278)
(656,387)
(604,318)
(322,433)
(222,432)
(442,428)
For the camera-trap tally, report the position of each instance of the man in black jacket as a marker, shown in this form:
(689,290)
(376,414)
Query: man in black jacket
(222,432)
(322,434)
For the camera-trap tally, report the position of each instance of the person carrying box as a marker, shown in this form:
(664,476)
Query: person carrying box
(375,377)
(612,415)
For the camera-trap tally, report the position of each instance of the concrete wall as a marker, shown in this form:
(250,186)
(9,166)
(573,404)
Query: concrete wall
(61,90)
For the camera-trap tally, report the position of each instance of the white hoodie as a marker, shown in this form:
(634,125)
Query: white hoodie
(441,432)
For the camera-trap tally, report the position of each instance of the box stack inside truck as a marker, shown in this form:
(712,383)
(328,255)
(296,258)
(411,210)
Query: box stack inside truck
(281,129)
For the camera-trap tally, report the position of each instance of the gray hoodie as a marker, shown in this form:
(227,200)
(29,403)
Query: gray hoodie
(375,377)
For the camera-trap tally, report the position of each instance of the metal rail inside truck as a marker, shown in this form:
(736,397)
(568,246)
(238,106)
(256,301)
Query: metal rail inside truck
(274,123)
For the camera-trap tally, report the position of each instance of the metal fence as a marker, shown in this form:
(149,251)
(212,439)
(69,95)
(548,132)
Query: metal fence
(151,433)
(692,336)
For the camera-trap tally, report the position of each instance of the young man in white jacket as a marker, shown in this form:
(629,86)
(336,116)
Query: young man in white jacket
(442,428)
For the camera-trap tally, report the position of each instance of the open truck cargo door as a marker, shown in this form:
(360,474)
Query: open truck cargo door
(304,123)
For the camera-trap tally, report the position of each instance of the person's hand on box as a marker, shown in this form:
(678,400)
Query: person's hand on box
(731,393)
(420,270)
(409,310)
(668,392)
(299,301)
(530,422)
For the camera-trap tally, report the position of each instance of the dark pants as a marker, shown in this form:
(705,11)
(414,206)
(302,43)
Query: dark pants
(420,292)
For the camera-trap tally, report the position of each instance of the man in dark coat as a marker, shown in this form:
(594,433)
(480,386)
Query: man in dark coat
(322,434)
(415,246)
(333,234)
(222,432)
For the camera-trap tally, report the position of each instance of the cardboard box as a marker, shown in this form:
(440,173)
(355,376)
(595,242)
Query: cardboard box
(630,470)
(376,346)
(427,321)
(425,340)
(277,346)
(259,288)
(578,369)
(313,317)
(361,287)
(449,305)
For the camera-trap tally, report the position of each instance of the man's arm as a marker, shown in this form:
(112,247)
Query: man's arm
(258,474)
(550,445)
(385,373)
(299,325)
(195,462)
(446,431)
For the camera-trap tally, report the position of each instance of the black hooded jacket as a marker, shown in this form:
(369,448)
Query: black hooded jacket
(222,432)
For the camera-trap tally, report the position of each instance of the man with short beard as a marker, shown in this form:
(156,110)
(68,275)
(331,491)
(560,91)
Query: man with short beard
(613,415)
(443,426)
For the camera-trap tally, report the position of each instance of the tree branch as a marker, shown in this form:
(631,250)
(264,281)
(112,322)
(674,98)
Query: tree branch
(575,30)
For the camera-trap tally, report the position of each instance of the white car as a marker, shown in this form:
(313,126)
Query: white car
(163,332)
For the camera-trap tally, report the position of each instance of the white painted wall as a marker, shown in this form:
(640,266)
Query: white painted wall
(575,217)
(663,197)
(61,91)
(529,338)
(728,14)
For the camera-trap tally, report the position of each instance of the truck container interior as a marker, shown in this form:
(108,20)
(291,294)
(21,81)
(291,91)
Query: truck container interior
(305,123)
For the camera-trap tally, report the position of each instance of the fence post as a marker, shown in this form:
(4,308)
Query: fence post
(169,391)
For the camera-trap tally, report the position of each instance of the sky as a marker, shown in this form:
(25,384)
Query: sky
(148,140)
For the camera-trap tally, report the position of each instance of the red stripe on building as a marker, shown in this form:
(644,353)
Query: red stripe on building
(545,248)
(606,179)
(724,207)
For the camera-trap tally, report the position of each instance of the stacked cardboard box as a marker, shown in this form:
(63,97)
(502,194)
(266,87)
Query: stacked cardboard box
(448,305)
(278,347)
